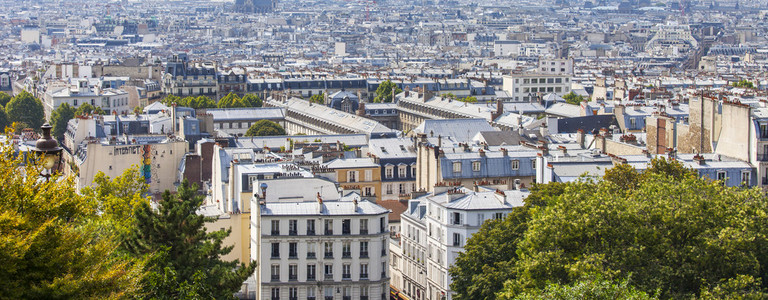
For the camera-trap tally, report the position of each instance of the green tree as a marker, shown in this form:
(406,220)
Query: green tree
(4,99)
(317,98)
(384,92)
(170,99)
(186,261)
(573,98)
(469,99)
(51,244)
(265,128)
(3,119)
(59,118)
(744,84)
(119,198)
(594,288)
(448,95)
(252,100)
(26,109)
(88,109)
(674,232)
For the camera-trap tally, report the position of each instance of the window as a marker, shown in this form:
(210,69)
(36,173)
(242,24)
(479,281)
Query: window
(363,226)
(413,171)
(328,227)
(382,228)
(74,102)
(311,272)
(328,272)
(275,293)
(363,293)
(721,176)
(292,227)
(498,216)
(275,250)
(352,176)
(476,166)
(363,271)
(275,227)
(345,226)
(346,293)
(310,293)
(328,250)
(456,218)
(480,219)
(310,227)
(368,191)
(389,172)
(745,178)
(346,250)
(515,164)
(293,250)
(533,164)
(457,240)
(383,270)
(363,249)
(310,250)
(389,189)
(293,293)
(457,167)
(293,272)
(275,272)
(346,272)
(401,188)
(401,172)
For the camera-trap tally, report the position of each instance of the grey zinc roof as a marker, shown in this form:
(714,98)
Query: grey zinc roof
(349,163)
(462,130)
(330,208)
(350,121)
(248,113)
(391,148)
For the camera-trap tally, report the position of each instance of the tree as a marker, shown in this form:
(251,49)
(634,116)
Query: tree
(3,119)
(169,100)
(265,128)
(26,109)
(59,119)
(118,199)
(573,98)
(384,92)
(52,246)
(4,99)
(469,99)
(88,109)
(675,233)
(448,95)
(186,261)
(252,100)
(595,288)
(744,84)
(318,98)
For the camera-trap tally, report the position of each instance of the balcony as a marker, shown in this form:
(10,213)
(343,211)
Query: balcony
(275,255)
(275,232)
(329,232)
(762,156)
(364,276)
(364,254)
(275,278)
(292,277)
(293,255)
(311,277)
(292,232)
(310,254)
(328,254)
(346,254)
(346,276)
(328,276)
(310,232)
(363,231)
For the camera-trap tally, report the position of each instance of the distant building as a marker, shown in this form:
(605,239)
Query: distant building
(184,78)
(255,6)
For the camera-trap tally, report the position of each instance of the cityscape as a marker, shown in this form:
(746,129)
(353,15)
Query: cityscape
(434,150)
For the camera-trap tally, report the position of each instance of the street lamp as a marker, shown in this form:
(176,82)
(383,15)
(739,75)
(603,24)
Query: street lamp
(48,151)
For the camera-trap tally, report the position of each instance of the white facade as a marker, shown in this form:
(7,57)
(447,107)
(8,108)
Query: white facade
(79,93)
(328,247)
(439,225)
(525,87)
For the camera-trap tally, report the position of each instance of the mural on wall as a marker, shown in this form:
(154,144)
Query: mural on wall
(146,163)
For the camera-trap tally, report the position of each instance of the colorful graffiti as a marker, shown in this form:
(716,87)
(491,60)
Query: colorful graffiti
(146,163)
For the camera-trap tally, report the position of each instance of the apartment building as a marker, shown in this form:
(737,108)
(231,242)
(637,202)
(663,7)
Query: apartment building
(315,243)
(526,87)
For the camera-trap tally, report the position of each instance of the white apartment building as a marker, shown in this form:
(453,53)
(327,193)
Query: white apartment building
(438,225)
(79,92)
(313,243)
(526,87)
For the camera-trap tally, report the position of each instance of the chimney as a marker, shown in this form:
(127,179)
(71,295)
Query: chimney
(355,202)
(504,151)
(439,140)
(319,203)
(475,187)
(543,130)
(563,149)
(499,110)
(263,187)
(518,184)
(580,137)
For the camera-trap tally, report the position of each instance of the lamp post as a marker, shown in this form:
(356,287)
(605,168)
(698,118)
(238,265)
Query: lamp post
(48,151)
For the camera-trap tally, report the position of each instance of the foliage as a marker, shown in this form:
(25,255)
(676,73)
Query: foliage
(198,102)
(490,256)
(187,261)
(448,95)
(118,198)
(469,99)
(3,119)
(596,288)
(253,100)
(138,110)
(52,246)
(4,99)
(87,109)
(265,128)
(573,98)
(317,98)
(25,108)
(59,118)
(673,231)
(384,92)
(744,84)
(663,232)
